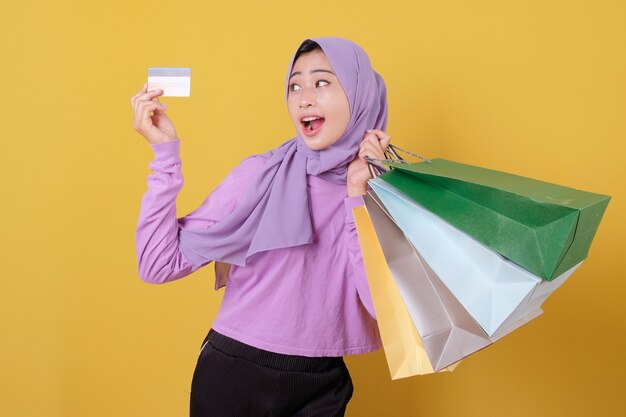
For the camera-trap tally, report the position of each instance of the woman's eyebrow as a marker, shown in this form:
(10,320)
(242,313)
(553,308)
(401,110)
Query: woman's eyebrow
(312,72)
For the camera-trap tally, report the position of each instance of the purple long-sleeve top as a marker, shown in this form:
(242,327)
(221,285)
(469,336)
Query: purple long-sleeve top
(309,300)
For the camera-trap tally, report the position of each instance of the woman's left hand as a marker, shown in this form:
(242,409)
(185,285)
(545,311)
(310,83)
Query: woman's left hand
(373,145)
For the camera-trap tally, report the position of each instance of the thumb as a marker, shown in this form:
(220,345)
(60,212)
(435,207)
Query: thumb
(385,142)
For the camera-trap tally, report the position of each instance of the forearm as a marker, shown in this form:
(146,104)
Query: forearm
(159,258)
(354,252)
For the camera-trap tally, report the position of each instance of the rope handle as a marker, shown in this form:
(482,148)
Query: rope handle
(376,169)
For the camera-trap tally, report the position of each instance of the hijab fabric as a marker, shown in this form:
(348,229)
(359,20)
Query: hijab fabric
(274,213)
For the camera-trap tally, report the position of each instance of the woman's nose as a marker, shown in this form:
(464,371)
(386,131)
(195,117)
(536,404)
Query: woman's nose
(307,99)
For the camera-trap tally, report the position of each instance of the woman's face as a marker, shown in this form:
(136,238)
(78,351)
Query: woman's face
(317,104)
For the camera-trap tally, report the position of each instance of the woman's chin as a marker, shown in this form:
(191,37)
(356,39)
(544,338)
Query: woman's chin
(318,142)
(315,146)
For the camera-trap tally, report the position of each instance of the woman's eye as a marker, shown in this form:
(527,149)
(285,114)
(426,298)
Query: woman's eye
(322,82)
(294,87)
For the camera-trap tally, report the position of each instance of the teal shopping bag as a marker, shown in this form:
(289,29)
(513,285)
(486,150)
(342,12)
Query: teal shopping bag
(545,228)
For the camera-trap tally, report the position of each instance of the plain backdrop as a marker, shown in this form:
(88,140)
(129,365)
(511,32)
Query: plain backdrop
(535,88)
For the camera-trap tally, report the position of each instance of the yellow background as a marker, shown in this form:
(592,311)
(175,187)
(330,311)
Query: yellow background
(533,87)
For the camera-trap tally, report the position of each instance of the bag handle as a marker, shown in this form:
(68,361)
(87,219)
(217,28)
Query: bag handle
(376,170)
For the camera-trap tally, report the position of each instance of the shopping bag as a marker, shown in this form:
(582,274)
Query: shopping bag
(544,228)
(403,347)
(494,290)
(448,332)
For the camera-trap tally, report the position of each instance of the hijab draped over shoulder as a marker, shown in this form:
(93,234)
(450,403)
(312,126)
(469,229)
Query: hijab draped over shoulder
(274,213)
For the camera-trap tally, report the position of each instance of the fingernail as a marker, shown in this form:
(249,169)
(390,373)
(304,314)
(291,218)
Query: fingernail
(164,106)
(368,131)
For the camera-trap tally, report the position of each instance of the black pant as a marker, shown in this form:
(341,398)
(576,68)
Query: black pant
(233,379)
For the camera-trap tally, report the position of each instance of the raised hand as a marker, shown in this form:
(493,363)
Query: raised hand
(374,144)
(157,127)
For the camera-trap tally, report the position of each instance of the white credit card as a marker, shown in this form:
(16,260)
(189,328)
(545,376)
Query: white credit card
(175,82)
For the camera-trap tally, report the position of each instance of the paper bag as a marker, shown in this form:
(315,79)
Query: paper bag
(404,350)
(544,228)
(495,291)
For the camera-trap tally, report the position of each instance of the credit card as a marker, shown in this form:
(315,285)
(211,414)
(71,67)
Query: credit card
(175,82)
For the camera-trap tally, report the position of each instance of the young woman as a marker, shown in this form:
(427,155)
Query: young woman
(280,230)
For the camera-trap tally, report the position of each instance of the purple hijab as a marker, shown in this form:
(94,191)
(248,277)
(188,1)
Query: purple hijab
(275,211)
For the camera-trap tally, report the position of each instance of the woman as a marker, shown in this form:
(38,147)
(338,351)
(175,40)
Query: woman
(296,297)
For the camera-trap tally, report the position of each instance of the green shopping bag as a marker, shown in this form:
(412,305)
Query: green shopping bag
(544,228)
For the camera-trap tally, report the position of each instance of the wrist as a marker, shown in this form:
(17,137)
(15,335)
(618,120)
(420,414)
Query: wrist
(354,191)
(164,140)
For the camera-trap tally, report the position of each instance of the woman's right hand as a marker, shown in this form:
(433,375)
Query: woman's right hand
(157,128)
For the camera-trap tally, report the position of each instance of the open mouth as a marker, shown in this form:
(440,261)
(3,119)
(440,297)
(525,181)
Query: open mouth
(312,124)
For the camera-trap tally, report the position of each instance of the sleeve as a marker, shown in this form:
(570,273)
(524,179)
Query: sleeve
(159,258)
(354,252)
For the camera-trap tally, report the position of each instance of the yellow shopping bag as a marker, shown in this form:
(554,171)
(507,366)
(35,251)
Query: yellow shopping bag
(402,344)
